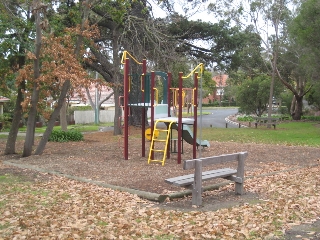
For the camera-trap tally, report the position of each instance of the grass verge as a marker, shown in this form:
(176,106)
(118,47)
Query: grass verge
(291,133)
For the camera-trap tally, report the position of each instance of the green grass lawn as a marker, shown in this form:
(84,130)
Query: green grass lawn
(291,133)
(79,127)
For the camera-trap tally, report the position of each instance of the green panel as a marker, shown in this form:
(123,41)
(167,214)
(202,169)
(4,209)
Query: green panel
(147,84)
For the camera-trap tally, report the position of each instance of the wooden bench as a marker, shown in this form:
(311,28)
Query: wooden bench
(265,121)
(194,181)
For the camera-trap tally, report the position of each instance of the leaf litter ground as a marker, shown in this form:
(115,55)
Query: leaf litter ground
(282,193)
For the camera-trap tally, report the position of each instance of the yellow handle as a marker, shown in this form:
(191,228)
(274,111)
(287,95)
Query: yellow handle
(157,96)
(193,71)
(183,97)
(193,90)
(175,98)
(124,56)
(141,81)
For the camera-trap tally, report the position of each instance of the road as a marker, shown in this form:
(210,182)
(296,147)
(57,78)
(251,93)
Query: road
(216,118)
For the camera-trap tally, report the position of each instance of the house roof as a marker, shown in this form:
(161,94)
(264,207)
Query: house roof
(4,99)
(221,80)
(105,91)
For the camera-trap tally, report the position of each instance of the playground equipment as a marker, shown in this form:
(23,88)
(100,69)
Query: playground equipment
(146,95)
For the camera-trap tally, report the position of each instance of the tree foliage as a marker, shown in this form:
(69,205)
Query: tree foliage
(253,95)
(303,30)
(209,86)
(313,96)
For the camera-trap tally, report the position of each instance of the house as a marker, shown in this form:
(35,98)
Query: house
(217,95)
(2,101)
(102,93)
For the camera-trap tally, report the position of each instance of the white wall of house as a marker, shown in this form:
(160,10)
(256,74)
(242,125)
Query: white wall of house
(86,117)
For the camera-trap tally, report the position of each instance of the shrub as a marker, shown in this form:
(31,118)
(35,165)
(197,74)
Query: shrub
(283,110)
(311,118)
(63,136)
(5,119)
(245,118)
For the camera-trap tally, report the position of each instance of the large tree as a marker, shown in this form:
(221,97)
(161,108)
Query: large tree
(305,49)
(68,71)
(38,11)
(305,25)
(130,26)
(269,19)
(16,29)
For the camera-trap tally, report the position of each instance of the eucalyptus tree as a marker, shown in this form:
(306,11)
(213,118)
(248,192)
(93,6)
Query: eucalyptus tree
(66,69)
(304,27)
(38,70)
(269,20)
(303,32)
(313,96)
(17,30)
(38,10)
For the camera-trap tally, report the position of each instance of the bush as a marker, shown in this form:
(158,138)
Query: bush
(284,110)
(5,119)
(63,136)
(217,104)
(245,118)
(311,118)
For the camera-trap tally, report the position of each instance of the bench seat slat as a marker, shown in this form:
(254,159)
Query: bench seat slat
(190,164)
(189,179)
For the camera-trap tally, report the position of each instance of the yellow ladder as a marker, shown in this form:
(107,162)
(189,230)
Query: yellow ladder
(156,137)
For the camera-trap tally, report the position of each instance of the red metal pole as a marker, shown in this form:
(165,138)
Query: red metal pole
(195,115)
(126,109)
(143,128)
(180,118)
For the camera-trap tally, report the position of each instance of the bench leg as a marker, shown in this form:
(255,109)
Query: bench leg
(197,184)
(240,173)
(239,188)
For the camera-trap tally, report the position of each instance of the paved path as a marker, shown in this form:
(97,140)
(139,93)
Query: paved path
(217,118)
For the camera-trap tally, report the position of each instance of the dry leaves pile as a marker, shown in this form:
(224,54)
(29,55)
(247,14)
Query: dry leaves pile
(67,209)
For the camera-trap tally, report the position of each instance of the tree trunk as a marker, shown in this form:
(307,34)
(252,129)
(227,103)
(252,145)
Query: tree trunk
(118,81)
(296,115)
(63,117)
(12,137)
(29,140)
(135,116)
(65,88)
(293,105)
(117,130)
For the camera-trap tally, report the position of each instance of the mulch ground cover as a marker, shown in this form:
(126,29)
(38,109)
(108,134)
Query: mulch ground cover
(99,158)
